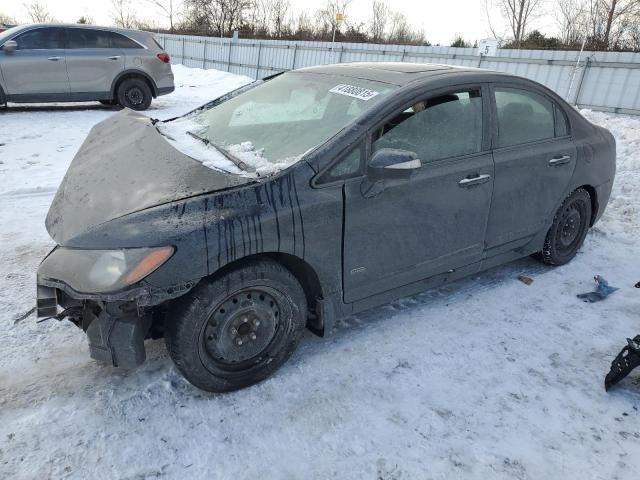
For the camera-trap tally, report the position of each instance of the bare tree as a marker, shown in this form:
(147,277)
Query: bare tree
(609,16)
(38,12)
(122,13)
(275,16)
(519,14)
(219,17)
(571,18)
(400,30)
(379,19)
(168,9)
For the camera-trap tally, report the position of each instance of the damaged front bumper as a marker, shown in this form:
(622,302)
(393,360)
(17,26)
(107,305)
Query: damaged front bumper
(116,324)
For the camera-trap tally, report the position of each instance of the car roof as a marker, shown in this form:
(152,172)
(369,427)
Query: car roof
(126,31)
(396,73)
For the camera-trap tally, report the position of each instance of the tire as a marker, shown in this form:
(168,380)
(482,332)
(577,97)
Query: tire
(569,229)
(237,330)
(134,93)
(109,103)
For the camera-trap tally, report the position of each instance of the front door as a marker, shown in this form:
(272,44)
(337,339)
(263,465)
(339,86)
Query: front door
(400,232)
(93,61)
(534,162)
(37,68)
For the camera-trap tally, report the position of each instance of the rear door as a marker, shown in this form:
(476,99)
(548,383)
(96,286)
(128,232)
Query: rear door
(401,232)
(37,67)
(94,60)
(534,161)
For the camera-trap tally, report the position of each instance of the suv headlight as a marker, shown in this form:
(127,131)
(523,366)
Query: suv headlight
(102,271)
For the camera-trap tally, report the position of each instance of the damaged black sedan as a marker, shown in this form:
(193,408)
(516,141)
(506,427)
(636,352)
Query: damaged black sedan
(305,198)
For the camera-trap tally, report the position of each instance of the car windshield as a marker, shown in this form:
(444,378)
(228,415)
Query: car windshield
(272,125)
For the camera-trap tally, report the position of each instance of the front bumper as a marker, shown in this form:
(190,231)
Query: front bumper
(116,335)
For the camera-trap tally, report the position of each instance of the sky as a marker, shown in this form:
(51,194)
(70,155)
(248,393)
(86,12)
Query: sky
(440,20)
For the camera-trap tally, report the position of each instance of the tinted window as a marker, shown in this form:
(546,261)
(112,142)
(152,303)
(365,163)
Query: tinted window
(438,128)
(41,39)
(523,117)
(86,38)
(120,41)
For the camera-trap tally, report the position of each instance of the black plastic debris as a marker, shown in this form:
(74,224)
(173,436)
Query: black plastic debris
(624,363)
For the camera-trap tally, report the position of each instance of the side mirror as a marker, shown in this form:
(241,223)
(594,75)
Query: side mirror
(10,46)
(389,163)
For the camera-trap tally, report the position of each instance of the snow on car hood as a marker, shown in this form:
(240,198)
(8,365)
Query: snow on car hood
(125,166)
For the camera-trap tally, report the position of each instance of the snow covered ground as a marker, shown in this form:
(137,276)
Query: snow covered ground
(484,378)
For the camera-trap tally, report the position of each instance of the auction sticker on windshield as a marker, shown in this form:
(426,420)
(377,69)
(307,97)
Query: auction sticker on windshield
(353,91)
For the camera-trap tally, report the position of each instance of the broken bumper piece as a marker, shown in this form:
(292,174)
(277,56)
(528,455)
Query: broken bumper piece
(118,341)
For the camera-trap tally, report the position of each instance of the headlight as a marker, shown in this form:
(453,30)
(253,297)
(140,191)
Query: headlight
(102,271)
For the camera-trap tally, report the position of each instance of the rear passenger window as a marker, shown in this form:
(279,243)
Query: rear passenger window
(523,117)
(438,128)
(41,39)
(85,38)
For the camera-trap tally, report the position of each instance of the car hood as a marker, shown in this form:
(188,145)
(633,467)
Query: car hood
(125,166)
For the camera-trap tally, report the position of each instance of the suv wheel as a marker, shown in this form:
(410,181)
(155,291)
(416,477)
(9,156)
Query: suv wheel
(237,330)
(134,93)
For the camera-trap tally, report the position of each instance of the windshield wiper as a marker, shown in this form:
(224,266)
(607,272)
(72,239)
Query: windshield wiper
(235,160)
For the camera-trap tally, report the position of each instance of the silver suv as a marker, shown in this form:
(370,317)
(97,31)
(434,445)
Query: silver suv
(77,63)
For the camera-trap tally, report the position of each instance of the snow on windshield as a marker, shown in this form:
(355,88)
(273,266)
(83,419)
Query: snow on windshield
(180,134)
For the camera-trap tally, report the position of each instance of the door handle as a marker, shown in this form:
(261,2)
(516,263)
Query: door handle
(114,57)
(53,59)
(471,181)
(554,162)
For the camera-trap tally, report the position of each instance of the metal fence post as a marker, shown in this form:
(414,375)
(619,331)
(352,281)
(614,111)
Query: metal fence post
(341,52)
(258,62)
(229,58)
(204,55)
(182,56)
(404,52)
(295,52)
(581,82)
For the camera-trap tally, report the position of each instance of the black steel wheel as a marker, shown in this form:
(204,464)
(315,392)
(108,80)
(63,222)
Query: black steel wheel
(569,229)
(236,330)
(134,93)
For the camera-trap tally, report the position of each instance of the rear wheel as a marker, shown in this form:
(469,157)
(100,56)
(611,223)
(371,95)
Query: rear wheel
(570,226)
(134,93)
(237,330)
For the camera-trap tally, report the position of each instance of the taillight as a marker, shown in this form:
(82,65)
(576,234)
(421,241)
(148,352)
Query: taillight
(164,57)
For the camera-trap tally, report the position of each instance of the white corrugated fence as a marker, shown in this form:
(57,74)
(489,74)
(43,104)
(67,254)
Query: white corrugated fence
(607,81)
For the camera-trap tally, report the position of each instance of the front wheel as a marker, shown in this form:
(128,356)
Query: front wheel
(237,330)
(570,226)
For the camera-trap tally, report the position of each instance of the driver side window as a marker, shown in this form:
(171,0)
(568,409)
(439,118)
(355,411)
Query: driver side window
(438,128)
